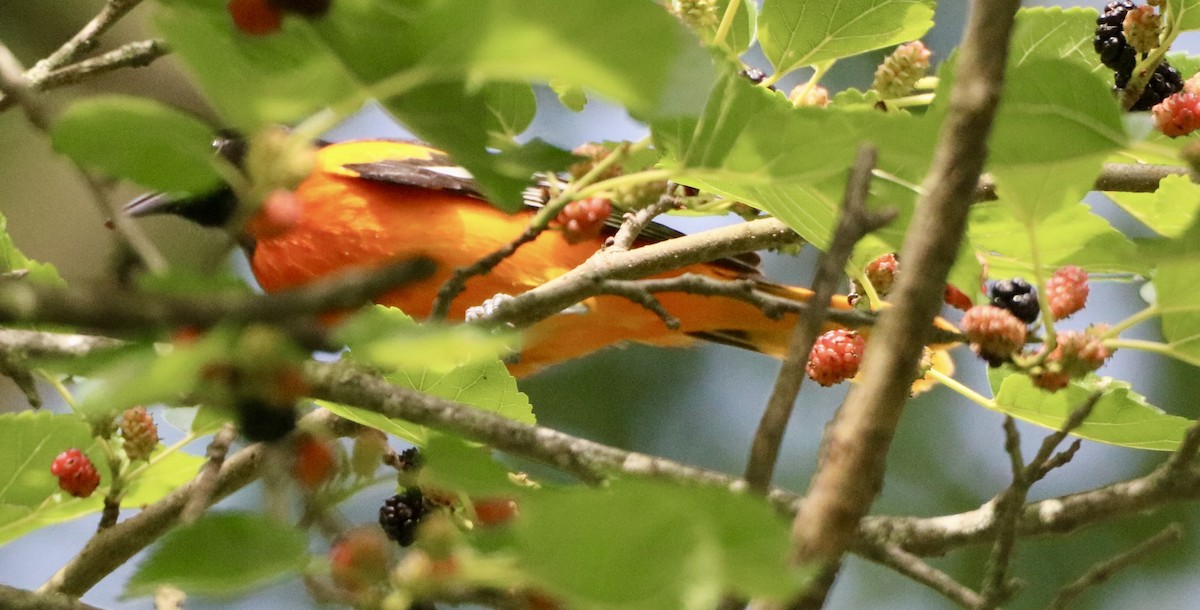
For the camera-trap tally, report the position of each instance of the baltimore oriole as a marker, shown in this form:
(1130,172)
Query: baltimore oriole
(368,202)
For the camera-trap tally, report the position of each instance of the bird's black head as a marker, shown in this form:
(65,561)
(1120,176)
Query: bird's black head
(211,209)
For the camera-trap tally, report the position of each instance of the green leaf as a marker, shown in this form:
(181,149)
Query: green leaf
(512,106)
(631,51)
(573,97)
(1185,14)
(387,337)
(1177,296)
(1074,235)
(29,442)
(716,541)
(143,376)
(456,121)
(1169,211)
(222,554)
(798,34)
(452,463)
(458,363)
(139,139)
(751,145)
(11,260)
(399,428)
(1121,416)
(256,80)
(1054,32)
(1054,111)
(164,475)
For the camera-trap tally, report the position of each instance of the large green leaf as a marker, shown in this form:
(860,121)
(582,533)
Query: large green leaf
(1185,14)
(452,463)
(222,554)
(1074,235)
(456,363)
(256,80)
(715,542)
(1053,111)
(751,145)
(1121,416)
(798,34)
(138,139)
(1054,32)
(631,51)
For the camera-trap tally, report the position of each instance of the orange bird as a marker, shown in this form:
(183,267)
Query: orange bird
(370,202)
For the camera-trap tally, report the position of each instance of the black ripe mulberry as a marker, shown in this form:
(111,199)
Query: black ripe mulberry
(1018,297)
(1115,52)
(400,515)
(1165,82)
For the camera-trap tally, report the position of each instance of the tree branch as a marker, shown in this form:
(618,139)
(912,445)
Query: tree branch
(1170,483)
(12,598)
(580,283)
(85,40)
(1115,177)
(116,309)
(855,452)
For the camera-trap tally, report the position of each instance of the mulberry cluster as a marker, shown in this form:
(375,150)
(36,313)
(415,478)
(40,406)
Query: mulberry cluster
(400,515)
(1165,82)
(1075,356)
(1117,53)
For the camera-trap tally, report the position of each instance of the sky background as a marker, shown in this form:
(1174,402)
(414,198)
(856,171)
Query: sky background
(699,406)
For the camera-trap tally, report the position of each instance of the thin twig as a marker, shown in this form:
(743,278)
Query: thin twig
(998,587)
(537,225)
(918,570)
(132,55)
(579,283)
(854,458)
(137,54)
(85,39)
(14,84)
(1115,177)
(637,221)
(1105,570)
(854,223)
(205,484)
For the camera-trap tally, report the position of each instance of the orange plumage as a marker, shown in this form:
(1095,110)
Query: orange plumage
(348,220)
